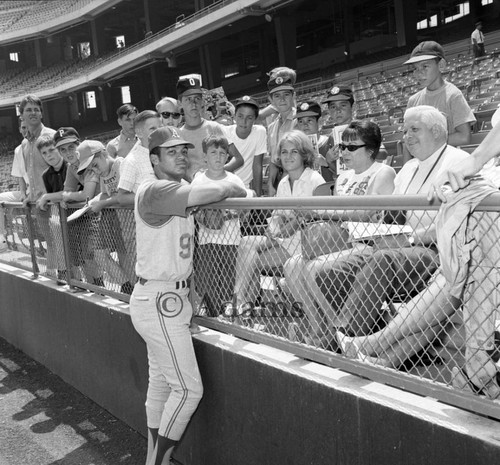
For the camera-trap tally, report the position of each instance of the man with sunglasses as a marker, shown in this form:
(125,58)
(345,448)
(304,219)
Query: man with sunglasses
(169,111)
(196,128)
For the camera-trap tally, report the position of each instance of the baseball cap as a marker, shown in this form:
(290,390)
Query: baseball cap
(65,136)
(87,150)
(188,85)
(166,136)
(336,94)
(246,100)
(308,108)
(425,51)
(283,79)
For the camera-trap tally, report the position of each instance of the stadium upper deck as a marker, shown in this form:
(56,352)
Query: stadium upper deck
(94,52)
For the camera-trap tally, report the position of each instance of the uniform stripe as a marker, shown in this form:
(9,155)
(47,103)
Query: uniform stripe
(178,372)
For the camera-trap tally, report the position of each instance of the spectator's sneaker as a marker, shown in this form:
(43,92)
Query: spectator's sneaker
(62,278)
(3,244)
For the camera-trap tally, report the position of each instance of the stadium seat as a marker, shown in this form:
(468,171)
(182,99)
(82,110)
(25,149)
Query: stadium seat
(396,161)
(394,136)
(486,126)
(477,137)
(327,188)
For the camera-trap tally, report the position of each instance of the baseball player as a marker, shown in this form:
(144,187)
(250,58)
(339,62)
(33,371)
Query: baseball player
(159,306)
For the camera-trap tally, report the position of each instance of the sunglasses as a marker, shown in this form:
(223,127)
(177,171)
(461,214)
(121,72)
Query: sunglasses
(350,147)
(167,114)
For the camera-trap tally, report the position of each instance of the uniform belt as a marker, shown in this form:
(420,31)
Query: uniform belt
(178,284)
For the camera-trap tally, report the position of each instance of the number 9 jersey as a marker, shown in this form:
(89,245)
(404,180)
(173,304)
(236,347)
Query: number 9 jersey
(164,230)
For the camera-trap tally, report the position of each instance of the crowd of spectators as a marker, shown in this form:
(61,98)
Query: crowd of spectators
(343,288)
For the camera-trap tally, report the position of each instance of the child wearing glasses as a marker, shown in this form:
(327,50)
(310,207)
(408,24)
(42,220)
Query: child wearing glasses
(169,111)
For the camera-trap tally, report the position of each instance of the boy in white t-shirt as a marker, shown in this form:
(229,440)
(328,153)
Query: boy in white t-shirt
(218,232)
(251,141)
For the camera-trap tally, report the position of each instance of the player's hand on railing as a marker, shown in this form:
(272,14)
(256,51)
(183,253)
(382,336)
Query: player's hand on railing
(456,177)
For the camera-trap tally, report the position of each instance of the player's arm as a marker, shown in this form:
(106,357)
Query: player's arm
(461,136)
(236,159)
(257,174)
(204,194)
(457,176)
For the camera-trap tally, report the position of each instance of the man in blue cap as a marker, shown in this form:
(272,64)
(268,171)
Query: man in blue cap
(282,97)
(196,128)
(159,306)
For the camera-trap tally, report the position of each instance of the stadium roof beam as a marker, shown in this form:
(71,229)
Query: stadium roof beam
(201,23)
(58,23)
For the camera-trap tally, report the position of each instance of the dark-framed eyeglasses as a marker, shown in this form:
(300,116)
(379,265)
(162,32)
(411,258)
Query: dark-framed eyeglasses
(167,114)
(350,147)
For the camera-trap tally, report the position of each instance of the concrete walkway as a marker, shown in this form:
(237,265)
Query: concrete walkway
(45,421)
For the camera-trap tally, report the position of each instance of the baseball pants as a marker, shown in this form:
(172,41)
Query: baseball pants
(161,313)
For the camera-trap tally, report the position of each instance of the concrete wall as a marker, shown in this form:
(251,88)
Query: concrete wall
(261,405)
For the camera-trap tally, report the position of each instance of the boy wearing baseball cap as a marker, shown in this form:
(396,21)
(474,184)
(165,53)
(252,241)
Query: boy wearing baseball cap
(196,128)
(251,141)
(94,157)
(340,101)
(428,61)
(159,306)
(78,188)
(308,115)
(282,97)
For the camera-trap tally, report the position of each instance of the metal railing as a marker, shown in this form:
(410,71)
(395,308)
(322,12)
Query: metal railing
(288,273)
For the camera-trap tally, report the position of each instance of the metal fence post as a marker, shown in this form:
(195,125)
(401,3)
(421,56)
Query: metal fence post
(31,238)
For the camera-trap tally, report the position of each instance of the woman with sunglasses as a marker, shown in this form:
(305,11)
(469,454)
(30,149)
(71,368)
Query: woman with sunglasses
(361,142)
(169,111)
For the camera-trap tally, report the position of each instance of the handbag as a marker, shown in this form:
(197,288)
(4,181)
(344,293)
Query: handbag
(323,237)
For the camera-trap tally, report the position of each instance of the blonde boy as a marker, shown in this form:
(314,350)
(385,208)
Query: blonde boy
(218,233)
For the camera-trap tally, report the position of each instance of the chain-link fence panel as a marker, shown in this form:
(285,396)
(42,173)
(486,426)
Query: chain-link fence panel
(298,270)
(102,249)
(369,291)
(24,245)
